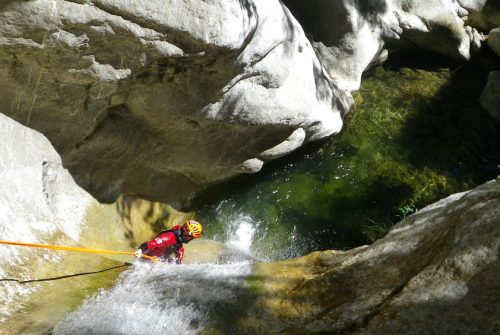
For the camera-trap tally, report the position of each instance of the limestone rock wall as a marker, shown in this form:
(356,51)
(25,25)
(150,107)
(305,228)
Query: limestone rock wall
(350,35)
(39,203)
(436,272)
(162,98)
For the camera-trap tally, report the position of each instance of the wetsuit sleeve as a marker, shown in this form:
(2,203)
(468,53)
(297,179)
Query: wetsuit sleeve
(179,255)
(144,246)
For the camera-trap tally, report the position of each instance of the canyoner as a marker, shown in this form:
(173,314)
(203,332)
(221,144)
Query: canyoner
(167,246)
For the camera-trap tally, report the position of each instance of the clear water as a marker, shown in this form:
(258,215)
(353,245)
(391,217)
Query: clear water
(417,134)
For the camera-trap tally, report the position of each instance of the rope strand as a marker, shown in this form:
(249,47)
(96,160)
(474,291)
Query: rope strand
(77,249)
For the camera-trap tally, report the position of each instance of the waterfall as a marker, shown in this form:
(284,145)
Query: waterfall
(158,299)
(167,298)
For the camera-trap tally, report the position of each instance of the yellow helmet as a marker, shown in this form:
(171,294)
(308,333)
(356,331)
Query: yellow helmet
(194,228)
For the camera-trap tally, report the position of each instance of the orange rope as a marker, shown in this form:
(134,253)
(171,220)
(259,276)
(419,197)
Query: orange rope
(97,251)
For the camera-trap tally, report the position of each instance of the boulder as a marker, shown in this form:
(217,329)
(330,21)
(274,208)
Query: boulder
(350,36)
(481,14)
(346,35)
(161,99)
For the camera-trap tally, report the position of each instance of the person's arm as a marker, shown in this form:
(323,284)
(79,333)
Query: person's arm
(179,255)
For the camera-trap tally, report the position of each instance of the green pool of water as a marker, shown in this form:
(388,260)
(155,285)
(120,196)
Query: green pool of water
(417,134)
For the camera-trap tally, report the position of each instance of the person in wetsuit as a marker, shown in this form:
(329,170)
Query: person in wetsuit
(167,246)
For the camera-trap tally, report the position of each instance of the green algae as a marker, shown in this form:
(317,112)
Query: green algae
(415,135)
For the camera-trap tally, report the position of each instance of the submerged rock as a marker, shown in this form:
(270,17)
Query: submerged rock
(437,271)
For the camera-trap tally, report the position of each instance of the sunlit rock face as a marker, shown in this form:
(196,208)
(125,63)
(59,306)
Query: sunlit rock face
(437,271)
(349,36)
(161,98)
(39,203)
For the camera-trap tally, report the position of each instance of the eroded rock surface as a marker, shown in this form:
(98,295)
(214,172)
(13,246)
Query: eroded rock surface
(39,202)
(436,272)
(161,98)
(350,36)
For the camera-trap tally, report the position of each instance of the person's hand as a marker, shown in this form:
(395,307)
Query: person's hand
(138,253)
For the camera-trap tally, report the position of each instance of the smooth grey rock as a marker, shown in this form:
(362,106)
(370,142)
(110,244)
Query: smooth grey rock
(349,36)
(436,26)
(293,142)
(346,35)
(39,202)
(161,99)
(436,272)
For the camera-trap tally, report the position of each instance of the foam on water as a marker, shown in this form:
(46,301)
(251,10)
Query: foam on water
(158,299)
(240,233)
(167,298)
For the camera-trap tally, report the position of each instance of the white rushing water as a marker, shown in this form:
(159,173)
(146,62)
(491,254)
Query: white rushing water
(240,233)
(158,299)
(165,298)
(39,202)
